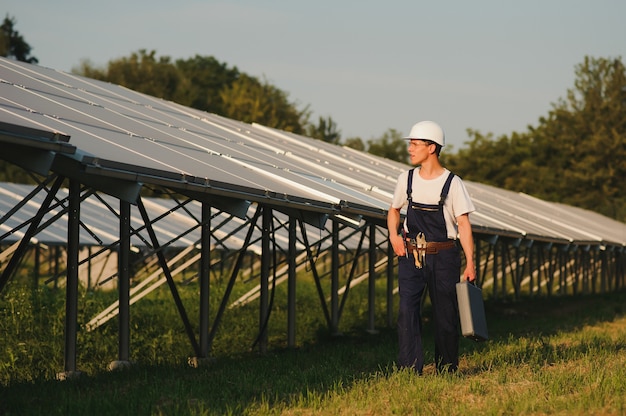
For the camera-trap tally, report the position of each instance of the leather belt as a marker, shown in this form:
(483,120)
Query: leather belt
(432,247)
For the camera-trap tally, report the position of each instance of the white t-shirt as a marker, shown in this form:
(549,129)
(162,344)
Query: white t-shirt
(428,191)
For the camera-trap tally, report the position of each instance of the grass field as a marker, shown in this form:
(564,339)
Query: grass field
(545,356)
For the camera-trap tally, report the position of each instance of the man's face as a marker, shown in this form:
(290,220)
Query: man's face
(418,151)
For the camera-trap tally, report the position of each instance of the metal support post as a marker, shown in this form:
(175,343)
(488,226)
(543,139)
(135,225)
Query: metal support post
(371,300)
(291,285)
(71,282)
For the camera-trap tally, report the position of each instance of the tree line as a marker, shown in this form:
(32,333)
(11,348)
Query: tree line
(575,155)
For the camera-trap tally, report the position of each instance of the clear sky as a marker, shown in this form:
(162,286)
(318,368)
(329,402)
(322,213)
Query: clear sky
(493,66)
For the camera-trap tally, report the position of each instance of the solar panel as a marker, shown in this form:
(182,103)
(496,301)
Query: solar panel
(122,133)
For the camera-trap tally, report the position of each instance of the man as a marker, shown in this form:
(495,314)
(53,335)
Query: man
(426,244)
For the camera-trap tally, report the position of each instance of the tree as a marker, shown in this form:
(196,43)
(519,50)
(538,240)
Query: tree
(144,72)
(584,138)
(494,162)
(391,146)
(249,100)
(355,143)
(205,84)
(575,155)
(12,44)
(325,130)
(206,78)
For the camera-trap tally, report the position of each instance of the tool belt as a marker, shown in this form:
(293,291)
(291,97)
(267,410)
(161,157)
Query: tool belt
(432,247)
(420,247)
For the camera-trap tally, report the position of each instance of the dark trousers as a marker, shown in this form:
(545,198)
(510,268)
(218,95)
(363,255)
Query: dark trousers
(440,274)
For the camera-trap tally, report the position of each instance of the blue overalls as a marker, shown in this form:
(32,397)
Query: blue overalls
(440,272)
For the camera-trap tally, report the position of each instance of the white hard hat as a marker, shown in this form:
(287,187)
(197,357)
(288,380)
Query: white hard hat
(427,130)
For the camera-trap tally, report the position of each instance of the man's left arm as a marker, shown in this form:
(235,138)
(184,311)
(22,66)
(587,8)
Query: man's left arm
(467,243)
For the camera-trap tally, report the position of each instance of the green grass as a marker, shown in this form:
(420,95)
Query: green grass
(545,356)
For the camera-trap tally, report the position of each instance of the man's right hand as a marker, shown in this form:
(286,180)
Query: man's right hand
(397,242)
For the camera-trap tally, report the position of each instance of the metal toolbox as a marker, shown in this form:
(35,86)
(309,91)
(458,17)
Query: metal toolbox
(471,311)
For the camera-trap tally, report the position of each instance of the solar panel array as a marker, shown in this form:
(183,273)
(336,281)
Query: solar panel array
(117,133)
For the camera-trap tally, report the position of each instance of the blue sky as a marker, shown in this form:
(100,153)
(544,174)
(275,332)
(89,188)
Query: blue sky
(493,66)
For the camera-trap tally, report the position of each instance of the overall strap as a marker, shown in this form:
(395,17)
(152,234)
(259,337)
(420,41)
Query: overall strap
(409,187)
(446,189)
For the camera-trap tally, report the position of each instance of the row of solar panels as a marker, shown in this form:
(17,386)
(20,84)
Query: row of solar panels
(115,133)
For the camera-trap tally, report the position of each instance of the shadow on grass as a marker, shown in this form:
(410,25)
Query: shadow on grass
(227,385)
(547,316)
(233,383)
(525,329)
